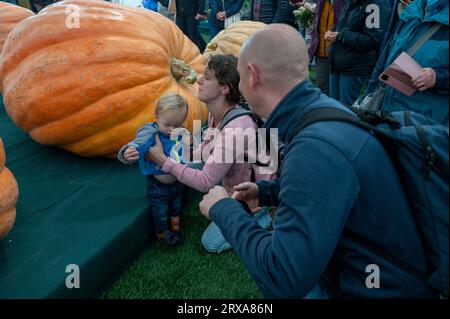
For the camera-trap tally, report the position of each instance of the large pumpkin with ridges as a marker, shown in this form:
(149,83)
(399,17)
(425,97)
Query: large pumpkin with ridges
(86,85)
(10,15)
(230,40)
(9,192)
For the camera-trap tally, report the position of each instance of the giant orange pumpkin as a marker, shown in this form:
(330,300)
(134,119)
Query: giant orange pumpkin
(10,15)
(230,40)
(9,193)
(87,87)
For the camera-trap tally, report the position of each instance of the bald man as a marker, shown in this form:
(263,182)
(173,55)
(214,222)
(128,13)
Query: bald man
(336,185)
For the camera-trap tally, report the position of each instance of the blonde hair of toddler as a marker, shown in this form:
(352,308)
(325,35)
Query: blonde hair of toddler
(171,102)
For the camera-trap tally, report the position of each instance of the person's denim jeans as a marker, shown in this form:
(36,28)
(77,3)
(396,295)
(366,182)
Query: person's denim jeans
(346,88)
(213,240)
(165,200)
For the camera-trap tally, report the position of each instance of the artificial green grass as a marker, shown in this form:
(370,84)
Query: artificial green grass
(187,271)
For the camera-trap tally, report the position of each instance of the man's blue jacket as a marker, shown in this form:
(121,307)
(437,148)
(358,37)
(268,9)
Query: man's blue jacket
(335,178)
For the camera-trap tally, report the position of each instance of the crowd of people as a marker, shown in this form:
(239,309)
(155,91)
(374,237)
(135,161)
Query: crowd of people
(349,53)
(191,12)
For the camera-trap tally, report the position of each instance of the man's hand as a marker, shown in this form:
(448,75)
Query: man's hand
(425,80)
(215,194)
(297,3)
(156,153)
(131,154)
(221,15)
(200,16)
(331,36)
(249,193)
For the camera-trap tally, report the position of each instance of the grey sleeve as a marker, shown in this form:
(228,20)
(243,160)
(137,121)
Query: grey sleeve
(142,135)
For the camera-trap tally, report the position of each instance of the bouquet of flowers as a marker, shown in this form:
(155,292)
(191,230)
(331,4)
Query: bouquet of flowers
(304,15)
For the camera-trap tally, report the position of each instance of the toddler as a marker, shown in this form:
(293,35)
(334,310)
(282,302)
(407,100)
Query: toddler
(163,190)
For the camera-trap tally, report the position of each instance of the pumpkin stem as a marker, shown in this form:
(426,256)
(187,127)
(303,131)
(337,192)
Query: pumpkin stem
(181,70)
(212,46)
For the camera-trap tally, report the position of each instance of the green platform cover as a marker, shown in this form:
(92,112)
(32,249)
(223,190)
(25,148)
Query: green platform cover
(71,210)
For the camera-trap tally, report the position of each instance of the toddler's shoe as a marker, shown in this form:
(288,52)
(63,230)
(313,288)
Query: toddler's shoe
(169,238)
(174,224)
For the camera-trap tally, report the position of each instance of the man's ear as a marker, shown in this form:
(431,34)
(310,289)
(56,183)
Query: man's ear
(254,75)
(156,115)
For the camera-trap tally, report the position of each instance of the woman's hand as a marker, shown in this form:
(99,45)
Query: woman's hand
(425,80)
(131,154)
(405,3)
(156,153)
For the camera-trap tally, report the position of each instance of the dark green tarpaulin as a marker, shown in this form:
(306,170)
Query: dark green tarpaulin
(71,210)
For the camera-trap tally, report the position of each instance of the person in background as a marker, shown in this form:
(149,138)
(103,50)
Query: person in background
(431,97)
(327,15)
(402,4)
(150,5)
(272,11)
(38,5)
(163,8)
(355,45)
(189,13)
(220,10)
(397,8)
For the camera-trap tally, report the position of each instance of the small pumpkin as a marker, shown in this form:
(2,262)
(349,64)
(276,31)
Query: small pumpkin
(9,192)
(10,15)
(230,40)
(87,85)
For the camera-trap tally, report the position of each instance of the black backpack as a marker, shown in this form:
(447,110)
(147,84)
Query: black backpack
(419,149)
